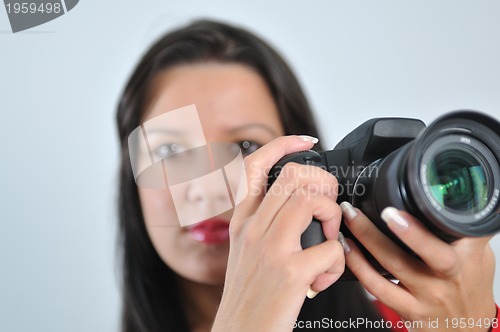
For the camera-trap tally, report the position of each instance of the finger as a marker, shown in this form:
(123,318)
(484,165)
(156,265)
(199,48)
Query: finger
(324,258)
(383,289)
(325,280)
(438,255)
(297,213)
(392,257)
(293,177)
(258,164)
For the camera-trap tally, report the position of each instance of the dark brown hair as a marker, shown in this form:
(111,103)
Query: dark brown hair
(150,299)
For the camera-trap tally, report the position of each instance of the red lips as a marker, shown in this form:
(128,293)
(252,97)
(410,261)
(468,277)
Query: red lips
(211,231)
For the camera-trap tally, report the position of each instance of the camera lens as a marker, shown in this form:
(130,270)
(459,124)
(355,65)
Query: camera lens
(459,179)
(448,177)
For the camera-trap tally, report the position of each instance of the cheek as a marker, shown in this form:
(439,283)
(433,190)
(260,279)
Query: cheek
(158,208)
(167,243)
(160,221)
(174,244)
(162,224)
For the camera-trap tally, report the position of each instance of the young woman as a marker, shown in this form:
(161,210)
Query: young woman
(178,280)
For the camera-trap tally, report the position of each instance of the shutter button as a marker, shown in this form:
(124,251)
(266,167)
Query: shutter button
(312,159)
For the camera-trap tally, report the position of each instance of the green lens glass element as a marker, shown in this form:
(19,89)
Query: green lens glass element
(458,179)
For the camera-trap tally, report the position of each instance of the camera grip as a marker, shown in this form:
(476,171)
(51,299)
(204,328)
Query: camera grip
(312,235)
(314,232)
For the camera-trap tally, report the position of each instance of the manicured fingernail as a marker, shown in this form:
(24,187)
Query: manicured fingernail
(348,210)
(392,217)
(307,138)
(311,293)
(344,243)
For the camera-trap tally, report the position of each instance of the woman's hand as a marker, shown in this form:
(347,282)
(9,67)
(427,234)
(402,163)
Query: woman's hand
(268,273)
(452,284)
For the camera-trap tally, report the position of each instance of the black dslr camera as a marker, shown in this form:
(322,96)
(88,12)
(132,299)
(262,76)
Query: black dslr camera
(447,175)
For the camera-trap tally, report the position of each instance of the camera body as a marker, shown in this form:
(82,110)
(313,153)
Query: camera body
(446,175)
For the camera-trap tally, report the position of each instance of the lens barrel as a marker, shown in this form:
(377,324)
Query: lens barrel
(448,177)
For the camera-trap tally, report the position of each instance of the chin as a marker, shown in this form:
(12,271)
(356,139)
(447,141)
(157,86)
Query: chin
(215,278)
(210,271)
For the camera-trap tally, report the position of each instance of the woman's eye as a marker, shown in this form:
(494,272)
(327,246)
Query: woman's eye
(248,147)
(167,150)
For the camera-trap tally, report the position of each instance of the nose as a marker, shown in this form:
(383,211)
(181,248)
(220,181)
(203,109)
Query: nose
(204,184)
(208,191)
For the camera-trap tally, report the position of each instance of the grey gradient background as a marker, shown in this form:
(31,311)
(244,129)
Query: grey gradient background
(59,84)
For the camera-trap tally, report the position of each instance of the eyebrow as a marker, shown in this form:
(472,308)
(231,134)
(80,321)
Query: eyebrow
(233,130)
(164,131)
(255,125)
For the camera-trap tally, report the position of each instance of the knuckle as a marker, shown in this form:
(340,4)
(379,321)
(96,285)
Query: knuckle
(335,185)
(251,161)
(332,178)
(449,266)
(329,208)
(290,170)
(336,210)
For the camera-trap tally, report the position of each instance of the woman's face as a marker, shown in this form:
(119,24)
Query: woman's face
(234,105)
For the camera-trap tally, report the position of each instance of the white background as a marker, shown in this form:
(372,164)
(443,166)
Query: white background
(59,84)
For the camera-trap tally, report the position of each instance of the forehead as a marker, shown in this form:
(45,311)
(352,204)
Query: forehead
(231,94)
